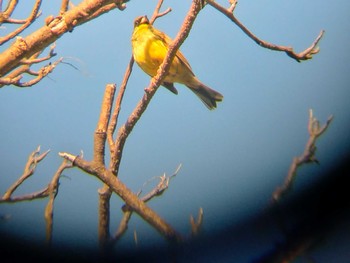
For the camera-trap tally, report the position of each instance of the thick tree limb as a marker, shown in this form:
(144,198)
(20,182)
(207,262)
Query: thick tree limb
(55,27)
(156,191)
(126,194)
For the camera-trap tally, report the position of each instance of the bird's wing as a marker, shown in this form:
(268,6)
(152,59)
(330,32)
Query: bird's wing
(166,40)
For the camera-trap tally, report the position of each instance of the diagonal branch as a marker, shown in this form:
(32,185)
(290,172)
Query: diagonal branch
(126,129)
(55,27)
(304,55)
(114,119)
(156,191)
(107,177)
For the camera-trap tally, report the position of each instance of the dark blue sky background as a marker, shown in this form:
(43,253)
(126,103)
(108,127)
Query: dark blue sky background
(232,158)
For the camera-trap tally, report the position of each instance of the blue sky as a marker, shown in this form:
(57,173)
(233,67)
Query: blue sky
(232,158)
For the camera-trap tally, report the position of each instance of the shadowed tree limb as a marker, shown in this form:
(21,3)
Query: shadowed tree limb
(308,156)
(52,193)
(126,194)
(156,191)
(34,158)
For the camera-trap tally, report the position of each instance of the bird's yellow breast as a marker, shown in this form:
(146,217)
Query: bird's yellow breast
(148,50)
(150,47)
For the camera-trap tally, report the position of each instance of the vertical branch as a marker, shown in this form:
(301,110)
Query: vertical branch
(64,6)
(99,153)
(101,130)
(52,192)
(103,215)
(196,224)
(113,122)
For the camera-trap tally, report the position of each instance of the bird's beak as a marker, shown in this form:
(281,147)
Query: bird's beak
(144,20)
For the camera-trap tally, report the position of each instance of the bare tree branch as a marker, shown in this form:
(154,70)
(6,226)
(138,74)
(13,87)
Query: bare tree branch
(114,119)
(99,153)
(308,156)
(196,224)
(64,6)
(156,191)
(4,16)
(28,22)
(126,129)
(33,159)
(52,191)
(55,27)
(304,55)
(126,194)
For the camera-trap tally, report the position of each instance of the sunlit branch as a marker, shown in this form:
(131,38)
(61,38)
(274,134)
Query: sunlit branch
(126,129)
(55,27)
(304,55)
(27,22)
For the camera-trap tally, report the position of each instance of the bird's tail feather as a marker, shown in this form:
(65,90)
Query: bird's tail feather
(207,95)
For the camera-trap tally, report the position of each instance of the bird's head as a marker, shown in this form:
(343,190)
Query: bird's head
(141,20)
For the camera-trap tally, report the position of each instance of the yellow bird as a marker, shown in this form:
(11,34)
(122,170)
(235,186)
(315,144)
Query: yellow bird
(149,48)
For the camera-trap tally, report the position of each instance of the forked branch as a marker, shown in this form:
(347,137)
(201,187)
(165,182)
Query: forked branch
(308,156)
(5,18)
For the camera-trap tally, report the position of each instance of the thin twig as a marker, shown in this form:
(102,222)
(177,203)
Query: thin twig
(41,73)
(8,12)
(64,6)
(308,156)
(304,55)
(156,191)
(113,121)
(34,158)
(29,21)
